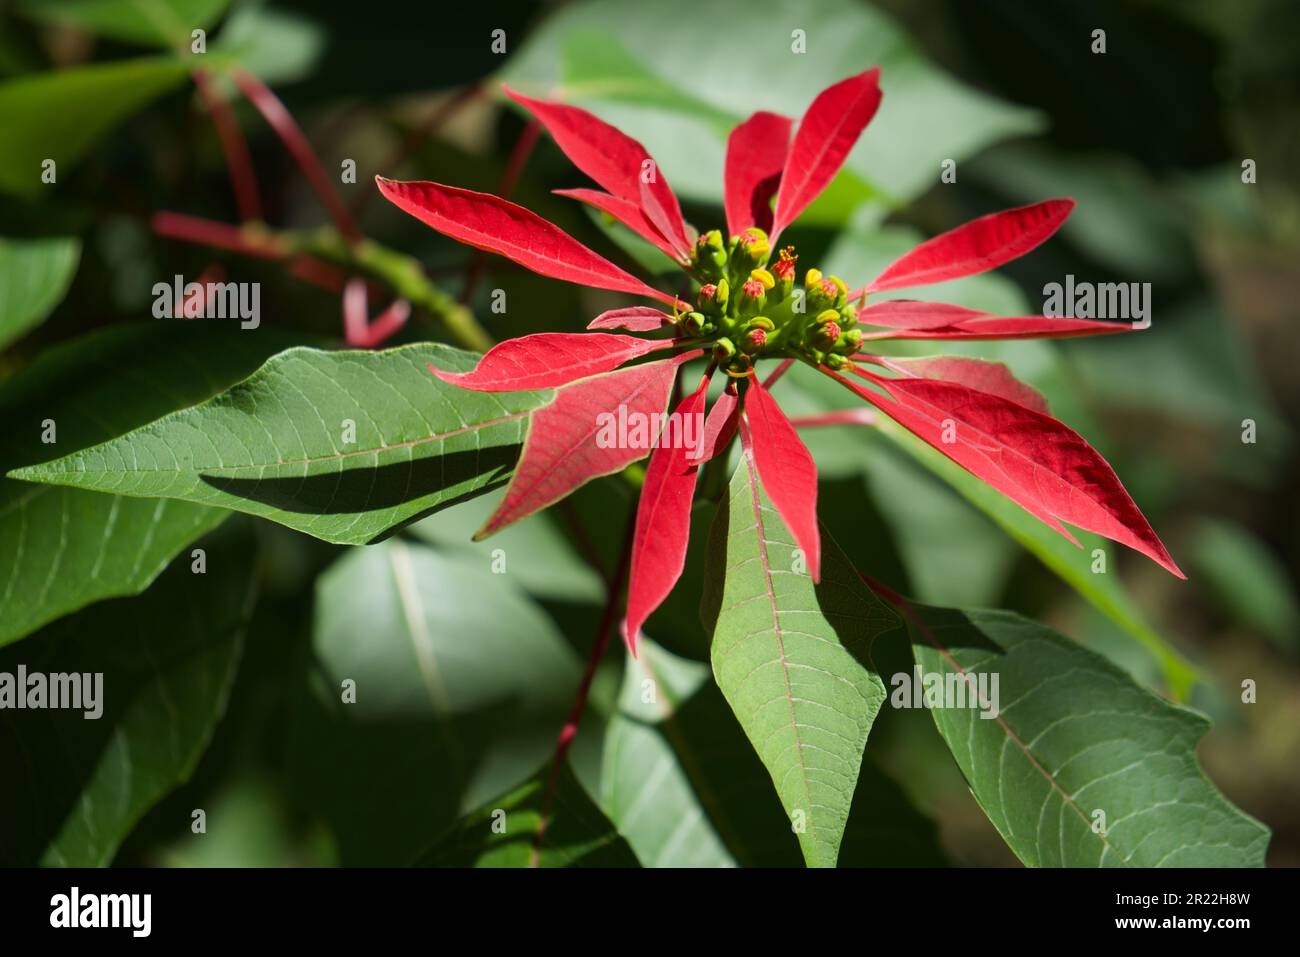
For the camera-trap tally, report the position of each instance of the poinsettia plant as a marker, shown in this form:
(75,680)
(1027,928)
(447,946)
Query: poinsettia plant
(445,686)
(746,305)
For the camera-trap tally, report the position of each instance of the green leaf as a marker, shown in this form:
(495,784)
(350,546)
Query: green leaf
(61,114)
(678,74)
(74,787)
(34,276)
(1082,766)
(504,832)
(280,445)
(456,700)
(533,553)
(793,660)
(63,548)
(275,45)
(164,23)
(681,783)
(659,775)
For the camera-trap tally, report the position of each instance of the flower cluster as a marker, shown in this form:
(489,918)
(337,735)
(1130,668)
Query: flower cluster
(747,307)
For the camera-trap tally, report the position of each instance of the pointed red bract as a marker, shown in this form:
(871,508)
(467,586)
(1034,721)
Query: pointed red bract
(489,222)
(635,318)
(629,214)
(826,134)
(549,360)
(614,160)
(562,451)
(720,424)
(787,471)
(1014,327)
(979,374)
(1036,461)
(756,151)
(663,515)
(975,247)
(940,320)
(913,314)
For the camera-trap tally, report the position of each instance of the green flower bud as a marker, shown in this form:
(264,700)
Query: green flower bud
(752,298)
(826,335)
(708,300)
(709,255)
(749,250)
(824,293)
(850,341)
(835,362)
(753,341)
(723,350)
(693,323)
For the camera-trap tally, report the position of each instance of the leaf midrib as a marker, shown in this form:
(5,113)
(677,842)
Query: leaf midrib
(38,471)
(776,631)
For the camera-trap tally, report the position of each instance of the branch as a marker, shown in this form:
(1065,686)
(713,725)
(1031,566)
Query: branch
(282,121)
(314,255)
(238,161)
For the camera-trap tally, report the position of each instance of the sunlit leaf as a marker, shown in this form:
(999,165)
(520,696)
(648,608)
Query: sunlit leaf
(345,446)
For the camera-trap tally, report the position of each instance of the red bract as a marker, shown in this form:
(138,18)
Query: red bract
(750,307)
(663,527)
(549,359)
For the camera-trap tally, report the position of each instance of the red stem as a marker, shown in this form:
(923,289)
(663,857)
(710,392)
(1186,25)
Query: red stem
(286,127)
(208,232)
(238,161)
(570,729)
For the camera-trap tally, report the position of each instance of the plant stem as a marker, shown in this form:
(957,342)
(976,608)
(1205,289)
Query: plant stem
(238,161)
(282,121)
(314,253)
(570,729)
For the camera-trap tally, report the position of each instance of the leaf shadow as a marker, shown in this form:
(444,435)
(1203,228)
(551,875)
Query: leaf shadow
(373,489)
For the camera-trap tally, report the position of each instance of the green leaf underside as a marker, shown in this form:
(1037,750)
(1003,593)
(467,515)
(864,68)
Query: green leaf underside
(74,788)
(1073,564)
(60,115)
(1076,736)
(685,788)
(279,444)
(62,548)
(577,833)
(457,698)
(793,660)
(34,275)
